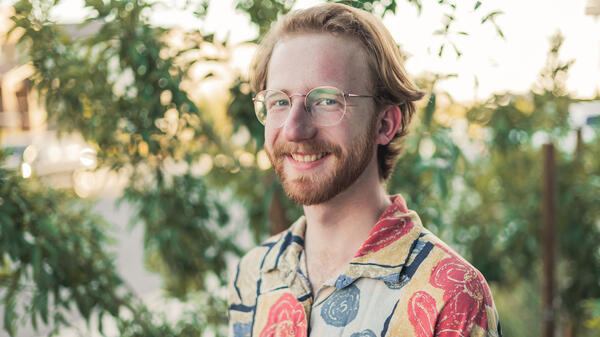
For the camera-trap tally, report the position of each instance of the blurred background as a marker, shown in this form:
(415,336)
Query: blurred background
(132,175)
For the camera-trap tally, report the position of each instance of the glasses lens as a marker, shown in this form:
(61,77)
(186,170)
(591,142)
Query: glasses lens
(272,106)
(326,105)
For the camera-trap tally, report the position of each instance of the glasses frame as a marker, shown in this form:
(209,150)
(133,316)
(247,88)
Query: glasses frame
(344,95)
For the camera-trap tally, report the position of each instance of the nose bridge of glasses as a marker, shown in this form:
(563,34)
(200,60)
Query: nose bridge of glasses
(302,100)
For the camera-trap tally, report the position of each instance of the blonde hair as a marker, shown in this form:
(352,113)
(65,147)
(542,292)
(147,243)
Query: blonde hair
(390,84)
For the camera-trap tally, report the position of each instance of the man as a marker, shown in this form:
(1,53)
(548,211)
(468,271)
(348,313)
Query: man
(335,101)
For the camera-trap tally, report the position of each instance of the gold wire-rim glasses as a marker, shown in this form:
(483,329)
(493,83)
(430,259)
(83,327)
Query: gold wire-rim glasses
(325,104)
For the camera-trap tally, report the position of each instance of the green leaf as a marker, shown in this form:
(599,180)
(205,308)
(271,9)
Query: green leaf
(41,304)
(477,5)
(456,50)
(101,323)
(491,15)
(36,263)
(10,316)
(429,110)
(391,7)
(34,324)
(499,31)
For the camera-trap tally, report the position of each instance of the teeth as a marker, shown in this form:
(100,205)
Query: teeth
(307,157)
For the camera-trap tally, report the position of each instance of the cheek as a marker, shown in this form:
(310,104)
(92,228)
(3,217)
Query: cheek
(350,132)
(270,136)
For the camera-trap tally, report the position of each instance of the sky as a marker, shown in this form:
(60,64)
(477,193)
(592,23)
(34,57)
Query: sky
(489,64)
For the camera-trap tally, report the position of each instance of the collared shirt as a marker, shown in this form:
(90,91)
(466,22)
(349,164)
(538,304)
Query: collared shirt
(403,281)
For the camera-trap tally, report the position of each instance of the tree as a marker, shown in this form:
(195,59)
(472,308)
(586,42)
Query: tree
(505,209)
(43,280)
(122,90)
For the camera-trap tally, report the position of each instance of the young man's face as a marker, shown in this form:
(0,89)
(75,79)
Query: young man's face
(316,163)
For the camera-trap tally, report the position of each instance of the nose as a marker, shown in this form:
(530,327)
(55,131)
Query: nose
(298,126)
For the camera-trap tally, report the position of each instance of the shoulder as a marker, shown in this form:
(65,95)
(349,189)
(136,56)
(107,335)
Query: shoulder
(244,285)
(243,282)
(250,265)
(253,258)
(450,272)
(458,291)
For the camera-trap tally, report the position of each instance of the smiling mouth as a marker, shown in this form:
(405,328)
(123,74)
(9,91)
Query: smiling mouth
(307,158)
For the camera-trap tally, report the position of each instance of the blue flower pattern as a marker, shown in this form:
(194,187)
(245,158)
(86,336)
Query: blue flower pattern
(365,333)
(342,307)
(242,329)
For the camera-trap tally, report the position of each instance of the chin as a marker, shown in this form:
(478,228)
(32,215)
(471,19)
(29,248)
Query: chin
(309,191)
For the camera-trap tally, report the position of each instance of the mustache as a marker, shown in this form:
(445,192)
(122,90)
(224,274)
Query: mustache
(311,146)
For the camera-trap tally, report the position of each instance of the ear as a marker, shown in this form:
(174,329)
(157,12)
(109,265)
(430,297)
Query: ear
(389,122)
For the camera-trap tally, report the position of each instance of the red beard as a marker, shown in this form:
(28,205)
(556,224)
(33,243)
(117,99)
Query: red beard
(312,189)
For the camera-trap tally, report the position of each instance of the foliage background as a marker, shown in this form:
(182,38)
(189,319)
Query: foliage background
(128,90)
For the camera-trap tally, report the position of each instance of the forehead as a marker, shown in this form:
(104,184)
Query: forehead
(303,61)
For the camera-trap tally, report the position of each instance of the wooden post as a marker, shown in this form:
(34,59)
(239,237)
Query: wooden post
(548,234)
(579,147)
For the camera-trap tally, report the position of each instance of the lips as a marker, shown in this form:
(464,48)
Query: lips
(307,157)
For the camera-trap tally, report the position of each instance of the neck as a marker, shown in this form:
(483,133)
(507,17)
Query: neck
(343,223)
(336,229)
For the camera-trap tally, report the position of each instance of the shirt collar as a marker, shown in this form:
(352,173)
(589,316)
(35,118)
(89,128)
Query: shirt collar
(284,252)
(387,249)
(382,256)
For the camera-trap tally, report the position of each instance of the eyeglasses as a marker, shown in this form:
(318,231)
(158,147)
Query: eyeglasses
(325,105)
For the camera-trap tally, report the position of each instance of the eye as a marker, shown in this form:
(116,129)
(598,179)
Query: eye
(277,103)
(327,101)
(281,102)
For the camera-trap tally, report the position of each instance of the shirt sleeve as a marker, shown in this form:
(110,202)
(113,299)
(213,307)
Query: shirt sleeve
(240,302)
(467,315)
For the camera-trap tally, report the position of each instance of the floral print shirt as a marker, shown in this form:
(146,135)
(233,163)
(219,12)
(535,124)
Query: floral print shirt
(403,281)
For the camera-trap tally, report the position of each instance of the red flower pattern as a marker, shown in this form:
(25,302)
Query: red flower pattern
(392,225)
(386,231)
(422,313)
(465,294)
(286,319)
